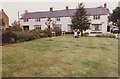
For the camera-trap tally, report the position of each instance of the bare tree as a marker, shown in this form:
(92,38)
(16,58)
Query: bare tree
(50,25)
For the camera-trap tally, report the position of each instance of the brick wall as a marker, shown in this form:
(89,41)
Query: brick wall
(5,19)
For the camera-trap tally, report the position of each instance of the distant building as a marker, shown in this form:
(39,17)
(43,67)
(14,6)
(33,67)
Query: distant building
(5,19)
(62,18)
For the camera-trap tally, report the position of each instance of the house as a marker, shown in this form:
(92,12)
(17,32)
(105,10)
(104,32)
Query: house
(5,20)
(62,19)
(119,4)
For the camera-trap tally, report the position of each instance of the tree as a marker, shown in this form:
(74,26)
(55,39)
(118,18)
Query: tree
(50,25)
(15,26)
(80,19)
(118,23)
(115,16)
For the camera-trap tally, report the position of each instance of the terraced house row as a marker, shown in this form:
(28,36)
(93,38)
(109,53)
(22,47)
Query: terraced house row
(98,17)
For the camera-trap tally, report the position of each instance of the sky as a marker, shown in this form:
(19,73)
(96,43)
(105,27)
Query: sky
(12,8)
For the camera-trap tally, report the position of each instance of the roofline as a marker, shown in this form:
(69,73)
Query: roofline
(59,10)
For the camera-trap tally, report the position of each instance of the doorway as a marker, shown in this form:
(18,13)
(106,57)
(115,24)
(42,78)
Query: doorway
(108,28)
(25,28)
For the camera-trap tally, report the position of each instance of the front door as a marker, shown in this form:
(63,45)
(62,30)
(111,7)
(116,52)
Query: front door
(108,28)
(25,28)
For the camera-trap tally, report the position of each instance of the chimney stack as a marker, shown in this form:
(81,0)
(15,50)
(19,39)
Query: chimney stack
(2,10)
(51,9)
(67,8)
(105,5)
(26,11)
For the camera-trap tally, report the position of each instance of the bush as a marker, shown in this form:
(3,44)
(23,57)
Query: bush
(37,33)
(48,32)
(14,28)
(23,36)
(8,36)
(58,31)
(69,32)
(106,35)
(86,34)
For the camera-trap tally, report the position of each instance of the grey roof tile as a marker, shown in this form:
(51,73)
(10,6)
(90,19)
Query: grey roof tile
(63,13)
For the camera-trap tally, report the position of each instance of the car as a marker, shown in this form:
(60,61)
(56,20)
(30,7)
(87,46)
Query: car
(115,30)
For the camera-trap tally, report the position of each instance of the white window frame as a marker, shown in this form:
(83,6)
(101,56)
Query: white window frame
(96,17)
(25,20)
(58,19)
(37,26)
(37,20)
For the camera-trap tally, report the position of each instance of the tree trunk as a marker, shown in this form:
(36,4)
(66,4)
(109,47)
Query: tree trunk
(81,32)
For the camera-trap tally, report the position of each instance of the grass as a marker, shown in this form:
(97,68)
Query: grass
(65,56)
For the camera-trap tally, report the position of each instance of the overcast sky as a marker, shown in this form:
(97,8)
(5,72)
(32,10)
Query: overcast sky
(12,8)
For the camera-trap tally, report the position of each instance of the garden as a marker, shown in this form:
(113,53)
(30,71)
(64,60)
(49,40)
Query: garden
(65,56)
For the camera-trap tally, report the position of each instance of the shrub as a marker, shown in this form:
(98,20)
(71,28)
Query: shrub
(37,33)
(14,28)
(23,36)
(69,32)
(106,35)
(8,36)
(48,32)
(86,34)
(58,31)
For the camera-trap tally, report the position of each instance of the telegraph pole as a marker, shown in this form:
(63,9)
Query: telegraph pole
(18,16)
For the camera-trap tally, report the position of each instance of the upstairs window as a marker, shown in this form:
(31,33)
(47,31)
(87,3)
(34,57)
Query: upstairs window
(38,27)
(58,19)
(37,20)
(96,17)
(25,20)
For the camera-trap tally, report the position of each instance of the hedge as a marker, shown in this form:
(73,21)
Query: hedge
(106,35)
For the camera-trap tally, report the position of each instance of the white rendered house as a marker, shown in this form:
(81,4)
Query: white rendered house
(62,19)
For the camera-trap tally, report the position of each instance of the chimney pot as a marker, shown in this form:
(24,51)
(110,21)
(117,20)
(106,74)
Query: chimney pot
(67,8)
(2,10)
(51,9)
(105,5)
(26,11)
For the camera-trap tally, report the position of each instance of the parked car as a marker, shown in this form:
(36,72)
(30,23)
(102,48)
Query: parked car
(115,30)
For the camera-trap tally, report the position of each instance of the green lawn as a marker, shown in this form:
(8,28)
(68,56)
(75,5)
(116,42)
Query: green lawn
(65,56)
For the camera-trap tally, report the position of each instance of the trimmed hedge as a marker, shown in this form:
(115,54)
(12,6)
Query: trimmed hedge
(106,35)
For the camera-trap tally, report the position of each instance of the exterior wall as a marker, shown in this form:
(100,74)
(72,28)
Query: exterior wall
(32,22)
(5,19)
(103,21)
(66,21)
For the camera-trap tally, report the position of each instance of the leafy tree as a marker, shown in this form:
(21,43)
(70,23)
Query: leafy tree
(80,19)
(115,16)
(118,24)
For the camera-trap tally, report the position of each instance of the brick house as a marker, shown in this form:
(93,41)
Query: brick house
(5,19)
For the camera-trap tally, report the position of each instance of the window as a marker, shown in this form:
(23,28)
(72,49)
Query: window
(96,27)
(25,20)
(96,17)
(58,25)
(58,19)
(38,27)
(37,20)
(69,28)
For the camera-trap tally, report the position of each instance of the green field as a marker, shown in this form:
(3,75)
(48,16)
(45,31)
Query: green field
(65,56)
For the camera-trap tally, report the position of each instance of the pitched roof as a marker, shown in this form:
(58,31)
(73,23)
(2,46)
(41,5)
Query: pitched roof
(63,13)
